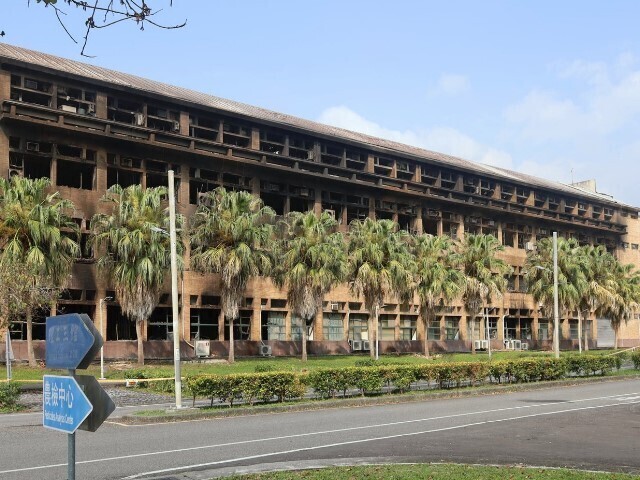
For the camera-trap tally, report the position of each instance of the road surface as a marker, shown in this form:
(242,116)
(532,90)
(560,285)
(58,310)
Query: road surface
(592,426)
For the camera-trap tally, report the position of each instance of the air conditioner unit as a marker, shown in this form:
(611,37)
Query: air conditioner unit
(484,344)
(332,213)
(310,155)
(176,126)
(524,345)
(202,348)
(33,147)
(69,108)
(356,345)
(335,307)
(265,350)
(365,345)
(477,344)
(139,119)
(15,172)
(529,246)
(517,344)
(126,162)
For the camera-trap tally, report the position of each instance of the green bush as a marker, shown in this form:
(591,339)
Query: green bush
(635,358)
(365,362)
(9,395)
(264,367)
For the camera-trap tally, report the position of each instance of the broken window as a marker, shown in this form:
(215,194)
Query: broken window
(119,327)
(201,126)
(241,326)
(75,174)
(204,323)
(124,178)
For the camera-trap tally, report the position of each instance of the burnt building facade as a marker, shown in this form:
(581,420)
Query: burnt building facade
(88,128)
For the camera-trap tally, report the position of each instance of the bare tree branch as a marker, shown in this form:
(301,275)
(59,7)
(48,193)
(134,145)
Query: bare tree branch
(106,13)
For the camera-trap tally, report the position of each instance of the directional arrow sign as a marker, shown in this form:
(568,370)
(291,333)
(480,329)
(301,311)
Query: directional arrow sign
(103,406)
(72,341)
(65,406)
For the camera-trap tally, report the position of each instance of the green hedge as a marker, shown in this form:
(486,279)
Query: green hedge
(331,382)
(635,358)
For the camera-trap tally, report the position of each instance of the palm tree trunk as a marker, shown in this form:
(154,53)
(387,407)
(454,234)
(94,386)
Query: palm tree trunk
(30,352)
(473,334)
(373,333)
(579,332)
(615,338)
(304,340)
(426,335)
(232,352)
(586,339)
(140,343)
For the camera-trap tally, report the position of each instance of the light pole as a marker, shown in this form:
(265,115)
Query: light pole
(100,307)
(174,290)
(556,329)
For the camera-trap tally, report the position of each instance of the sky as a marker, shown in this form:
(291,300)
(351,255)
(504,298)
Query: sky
(546,88)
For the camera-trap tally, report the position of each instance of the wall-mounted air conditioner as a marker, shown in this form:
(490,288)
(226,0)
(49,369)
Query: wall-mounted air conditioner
(477,344)
(335,307)
(202,348)
(15,172)
(365,345)
(265,350)
(176,126)
(33,147)
(332,213)
(356,345)
(529,246)
(484,344)
(126,162)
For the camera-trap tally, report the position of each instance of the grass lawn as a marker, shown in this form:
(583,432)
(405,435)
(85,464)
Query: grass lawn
(116,370)
(432,472)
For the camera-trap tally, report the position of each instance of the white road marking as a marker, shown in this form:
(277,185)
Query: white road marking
(353,442)
(340,430)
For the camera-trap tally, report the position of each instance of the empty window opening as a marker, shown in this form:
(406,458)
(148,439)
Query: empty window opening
(275,201)
(37,167)
(119,327)
(124,178)
(75,175)
(241,326)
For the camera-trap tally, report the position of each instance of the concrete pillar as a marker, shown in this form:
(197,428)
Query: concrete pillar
(101,105)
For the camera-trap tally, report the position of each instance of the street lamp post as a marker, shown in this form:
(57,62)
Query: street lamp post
(100,307)
(174,291)
(556,328)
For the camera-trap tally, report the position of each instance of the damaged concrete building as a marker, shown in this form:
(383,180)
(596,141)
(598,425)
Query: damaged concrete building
(88,128)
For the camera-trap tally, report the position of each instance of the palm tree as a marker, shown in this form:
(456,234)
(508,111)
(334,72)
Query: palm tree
(230,235)
(483,274)
(380,264)
(598,267)
(627,288)
(38,232)
(312,262)
(572,282)
(137,249)
(437,277)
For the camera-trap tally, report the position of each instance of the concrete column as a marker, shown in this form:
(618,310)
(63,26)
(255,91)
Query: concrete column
(221,326)
(184,123)
(318,332)
(255,332)
(5,85)
(255,139)
(101,105)
(370,164)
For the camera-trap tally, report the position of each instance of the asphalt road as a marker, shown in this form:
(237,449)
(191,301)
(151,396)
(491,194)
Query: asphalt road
(593,426)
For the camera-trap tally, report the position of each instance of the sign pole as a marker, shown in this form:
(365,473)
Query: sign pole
(71,448)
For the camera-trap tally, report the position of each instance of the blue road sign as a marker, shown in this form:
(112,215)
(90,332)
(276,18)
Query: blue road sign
(72,341)
(65,406)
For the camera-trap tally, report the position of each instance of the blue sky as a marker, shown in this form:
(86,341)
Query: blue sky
(548,88)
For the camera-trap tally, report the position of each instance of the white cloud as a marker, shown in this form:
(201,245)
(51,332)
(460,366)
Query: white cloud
(450,84)
(605,101)
(440,139)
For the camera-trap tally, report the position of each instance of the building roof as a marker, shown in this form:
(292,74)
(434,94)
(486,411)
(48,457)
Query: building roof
(84,71)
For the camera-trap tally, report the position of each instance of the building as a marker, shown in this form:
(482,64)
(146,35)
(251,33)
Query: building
(88,128)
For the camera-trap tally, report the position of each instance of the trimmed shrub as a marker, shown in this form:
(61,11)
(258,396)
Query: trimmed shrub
(9,395)
(635,358)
